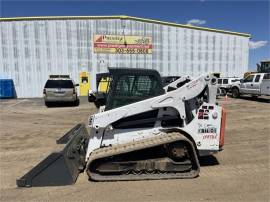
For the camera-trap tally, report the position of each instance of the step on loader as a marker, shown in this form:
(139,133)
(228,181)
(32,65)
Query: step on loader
(145,131)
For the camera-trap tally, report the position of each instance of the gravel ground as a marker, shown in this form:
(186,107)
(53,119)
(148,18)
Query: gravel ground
(239,173)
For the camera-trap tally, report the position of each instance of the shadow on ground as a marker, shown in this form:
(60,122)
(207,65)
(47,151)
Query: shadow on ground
(264,99)
(62,104)
(256,99)
(208,161)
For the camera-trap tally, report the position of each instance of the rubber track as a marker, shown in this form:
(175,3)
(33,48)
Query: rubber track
(162,138)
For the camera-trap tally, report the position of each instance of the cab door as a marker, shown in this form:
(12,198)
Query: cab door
(255,86)
(84,83)
(246,85)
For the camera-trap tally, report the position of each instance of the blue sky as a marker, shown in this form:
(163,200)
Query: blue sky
(241,16)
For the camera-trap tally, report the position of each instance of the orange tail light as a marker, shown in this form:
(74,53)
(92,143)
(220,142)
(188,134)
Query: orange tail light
(222,129)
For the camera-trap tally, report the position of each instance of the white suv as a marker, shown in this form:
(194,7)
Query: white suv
(60,88)
(226,83)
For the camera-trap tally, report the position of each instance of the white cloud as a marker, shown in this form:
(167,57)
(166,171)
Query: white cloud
(196,22)
(257,44)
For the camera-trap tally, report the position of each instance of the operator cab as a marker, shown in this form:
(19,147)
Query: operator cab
(132,85)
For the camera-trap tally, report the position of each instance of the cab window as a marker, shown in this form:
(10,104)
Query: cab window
(266,76)
(257,78)
(249,78)
(225,81)
(59,84)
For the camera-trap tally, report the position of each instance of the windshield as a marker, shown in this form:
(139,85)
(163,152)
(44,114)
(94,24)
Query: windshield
(133,88)
(249,78)
(59,84)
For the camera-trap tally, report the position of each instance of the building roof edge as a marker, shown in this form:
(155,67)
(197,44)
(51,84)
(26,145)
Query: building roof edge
(123,17)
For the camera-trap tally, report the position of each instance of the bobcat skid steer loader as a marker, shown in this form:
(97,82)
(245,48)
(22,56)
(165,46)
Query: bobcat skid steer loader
(143,132)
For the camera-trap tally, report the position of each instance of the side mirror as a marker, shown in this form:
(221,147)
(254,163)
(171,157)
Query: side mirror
(241,80)
(91,98)
(77,84)
(101,99)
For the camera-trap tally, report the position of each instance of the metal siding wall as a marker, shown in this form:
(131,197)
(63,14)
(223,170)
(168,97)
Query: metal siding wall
(32,50)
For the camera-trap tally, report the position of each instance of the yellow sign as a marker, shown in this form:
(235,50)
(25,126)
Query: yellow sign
(84,83)
(120,44)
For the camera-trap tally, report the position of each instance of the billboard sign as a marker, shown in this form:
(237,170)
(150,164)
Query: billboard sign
(120,44)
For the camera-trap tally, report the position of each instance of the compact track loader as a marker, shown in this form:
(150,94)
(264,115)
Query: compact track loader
(145,131)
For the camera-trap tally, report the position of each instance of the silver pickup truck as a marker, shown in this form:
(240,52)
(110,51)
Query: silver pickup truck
(256,84)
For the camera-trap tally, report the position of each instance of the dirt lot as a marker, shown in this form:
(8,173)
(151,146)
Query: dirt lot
(29,130)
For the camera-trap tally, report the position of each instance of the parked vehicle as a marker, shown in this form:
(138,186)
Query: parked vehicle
(225,84)
(60,88)
(255,84)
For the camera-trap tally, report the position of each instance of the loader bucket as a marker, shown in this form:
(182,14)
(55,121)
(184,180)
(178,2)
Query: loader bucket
(60,168)
(65,138)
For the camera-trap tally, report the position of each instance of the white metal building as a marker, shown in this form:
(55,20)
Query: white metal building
(32,48)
